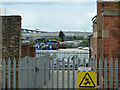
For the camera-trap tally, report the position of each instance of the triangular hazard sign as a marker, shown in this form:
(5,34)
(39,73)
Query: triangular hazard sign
(87,81)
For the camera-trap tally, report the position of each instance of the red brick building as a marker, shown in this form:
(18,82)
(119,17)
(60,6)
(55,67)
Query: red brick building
(106,32)
(27,50)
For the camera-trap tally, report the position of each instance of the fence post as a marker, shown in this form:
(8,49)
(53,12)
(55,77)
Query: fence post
(57,73)
(111,73)
(30,76)
(100,73)
(14,73)
(105,73)
(68,73)
(9,72)
(36,73)
(25,81)
(52,73)
(4,69)
(42,73)
(95,65)
(116,73)
(73,72)
(63,65)
(47,75)
(84,62)
(89,65)
(19,73)
(78,62)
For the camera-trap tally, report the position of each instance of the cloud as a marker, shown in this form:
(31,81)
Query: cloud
(48,0)
(53,0)
(54,17)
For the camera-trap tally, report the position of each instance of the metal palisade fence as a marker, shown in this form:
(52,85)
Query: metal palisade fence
(43,72)
(108,77)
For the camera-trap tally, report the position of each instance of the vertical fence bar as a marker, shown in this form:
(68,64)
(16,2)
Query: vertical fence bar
(4,69)
(78,62)
(23,73)
(90,62)
(38,82)
(73,72)
(36,73)
(111,73)
(95,65)
(14,73)
(32,72)
(9,72)
(46,69)
(100,73)
(105,73)
(63,65)
(28,72)
(84,62)
(116,73)
(25,76)
(19,73)
(42,72)
(52,73)
(57,73)
(68,73)
(47,75)
(30,69)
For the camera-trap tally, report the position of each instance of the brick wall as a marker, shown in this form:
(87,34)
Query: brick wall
(10,40)
(0,38)
(27,50)
(10,37)
(107,29)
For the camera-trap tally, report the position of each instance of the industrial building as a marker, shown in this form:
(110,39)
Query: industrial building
(68,34)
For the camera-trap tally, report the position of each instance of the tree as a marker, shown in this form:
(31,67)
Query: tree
(62,36)
(58,39)
(33,42)
(75,38)
(85,42)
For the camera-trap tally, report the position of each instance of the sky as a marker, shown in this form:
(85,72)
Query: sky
(53,15)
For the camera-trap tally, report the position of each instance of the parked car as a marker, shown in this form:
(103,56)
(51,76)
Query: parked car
(80,47)
(86,48)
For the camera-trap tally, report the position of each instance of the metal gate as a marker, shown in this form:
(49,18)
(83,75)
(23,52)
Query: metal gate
(42,73)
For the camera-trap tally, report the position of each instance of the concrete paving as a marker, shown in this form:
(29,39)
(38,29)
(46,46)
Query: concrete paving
(66,79)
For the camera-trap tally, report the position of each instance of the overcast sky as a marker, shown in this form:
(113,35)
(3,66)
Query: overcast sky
(53,15)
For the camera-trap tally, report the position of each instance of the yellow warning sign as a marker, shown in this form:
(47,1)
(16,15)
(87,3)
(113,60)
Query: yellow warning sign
(87,79)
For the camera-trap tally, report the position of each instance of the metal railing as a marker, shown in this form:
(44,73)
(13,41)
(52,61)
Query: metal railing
(41,73)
